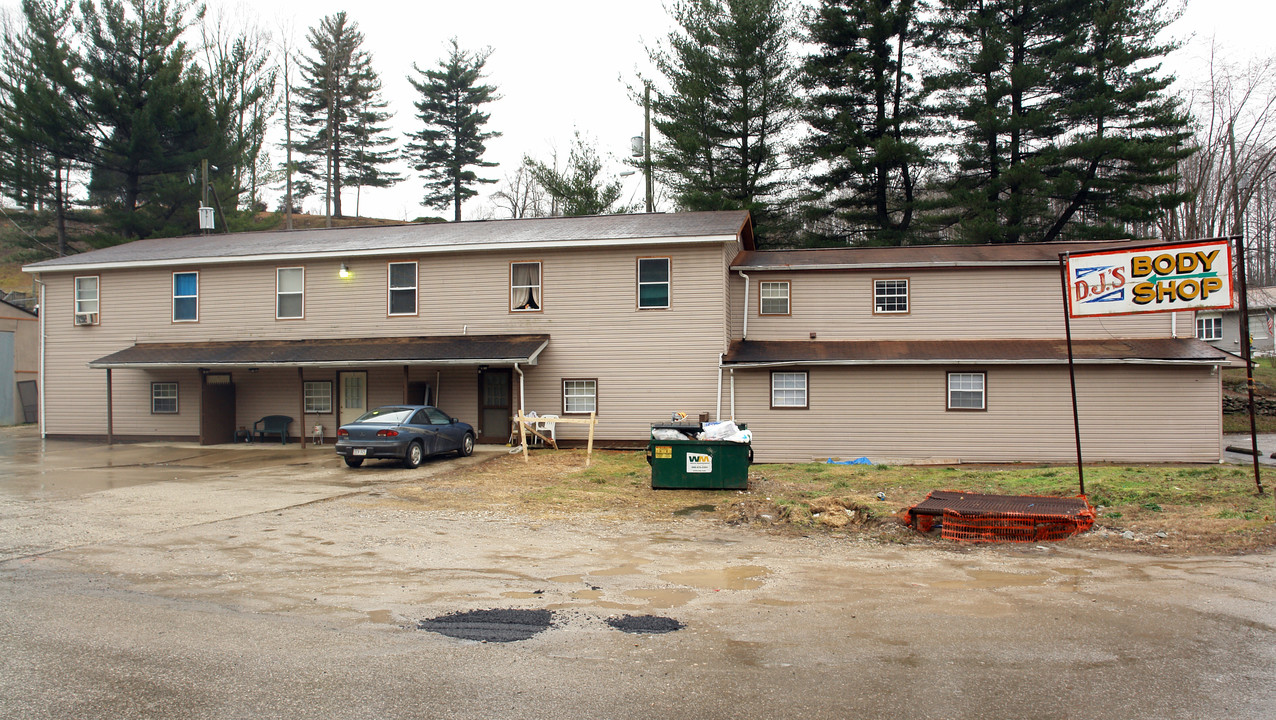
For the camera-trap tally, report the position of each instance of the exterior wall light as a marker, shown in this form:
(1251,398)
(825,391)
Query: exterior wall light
(344,272)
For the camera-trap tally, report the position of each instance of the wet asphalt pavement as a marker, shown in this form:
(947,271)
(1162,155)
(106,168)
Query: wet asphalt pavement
(180,582)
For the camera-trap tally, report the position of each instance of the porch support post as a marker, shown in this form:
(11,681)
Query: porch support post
(405,384)
(301,405)
(110,411)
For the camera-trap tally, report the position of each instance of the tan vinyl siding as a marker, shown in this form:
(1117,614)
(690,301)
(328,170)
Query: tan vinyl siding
(943,304)
(648,363)
(898,414)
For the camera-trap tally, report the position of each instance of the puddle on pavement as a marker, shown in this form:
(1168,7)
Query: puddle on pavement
(664,598)
(626,569)
(743,577)
(522,594)
(991,579)
(776,602)
(587,594)
(567,579)
(382,617)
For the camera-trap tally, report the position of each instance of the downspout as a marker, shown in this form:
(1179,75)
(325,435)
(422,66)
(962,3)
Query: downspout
(744,332)
(717,414)
(732,394)
(36,279)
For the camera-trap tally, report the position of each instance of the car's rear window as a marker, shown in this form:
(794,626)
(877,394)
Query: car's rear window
(386,416)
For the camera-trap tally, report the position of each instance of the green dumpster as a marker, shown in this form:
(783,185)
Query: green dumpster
(698,464)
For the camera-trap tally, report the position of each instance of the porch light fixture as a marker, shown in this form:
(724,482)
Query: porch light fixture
(344,272)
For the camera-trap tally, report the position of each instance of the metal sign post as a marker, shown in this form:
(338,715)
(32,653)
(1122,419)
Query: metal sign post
(1247,352)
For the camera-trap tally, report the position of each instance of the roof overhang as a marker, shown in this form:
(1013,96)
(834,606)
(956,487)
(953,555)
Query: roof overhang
(1124,351)
(344,352)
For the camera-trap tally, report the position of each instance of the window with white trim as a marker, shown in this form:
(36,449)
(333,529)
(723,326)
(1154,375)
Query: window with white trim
(525,286)
(86,300)
(163,398)
(653,283)
(966,391)
(890,296)
(1209,327)
(773,298)
(290,293)
(789,389)
(580,396)
(185,297)
(318,397)
(402,293)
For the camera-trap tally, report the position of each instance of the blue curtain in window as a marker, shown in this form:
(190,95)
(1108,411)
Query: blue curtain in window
(185,293)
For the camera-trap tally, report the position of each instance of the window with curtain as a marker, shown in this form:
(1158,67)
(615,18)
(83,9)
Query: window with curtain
(525,286)
(290,285)
(403,288)
(185,297)
(653,283)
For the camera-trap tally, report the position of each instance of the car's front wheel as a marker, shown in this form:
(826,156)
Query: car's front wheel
(467,446)
(353,461)
(413,457)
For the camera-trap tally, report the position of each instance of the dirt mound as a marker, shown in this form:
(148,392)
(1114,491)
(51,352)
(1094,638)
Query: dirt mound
(839,512)
(490,625)
(833,512)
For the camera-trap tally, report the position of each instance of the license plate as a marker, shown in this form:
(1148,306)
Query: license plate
(359,451)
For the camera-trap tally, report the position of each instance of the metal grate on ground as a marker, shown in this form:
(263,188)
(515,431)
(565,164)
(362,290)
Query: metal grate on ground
(972,517)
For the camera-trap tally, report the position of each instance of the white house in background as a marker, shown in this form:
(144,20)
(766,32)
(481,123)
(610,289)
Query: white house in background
(1222,328)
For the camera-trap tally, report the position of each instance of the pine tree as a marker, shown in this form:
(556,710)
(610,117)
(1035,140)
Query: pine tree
(1061,117)
(452,138)
(729,101)
(578,189)
(42,119)
(865,113)
(146,99)
(342,113)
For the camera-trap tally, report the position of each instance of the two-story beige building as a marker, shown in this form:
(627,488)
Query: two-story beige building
(899,354)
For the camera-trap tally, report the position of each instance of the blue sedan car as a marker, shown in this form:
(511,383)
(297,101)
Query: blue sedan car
(409,433)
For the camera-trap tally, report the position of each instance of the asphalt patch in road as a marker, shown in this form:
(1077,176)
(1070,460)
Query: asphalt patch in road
(490,625)
(653,624)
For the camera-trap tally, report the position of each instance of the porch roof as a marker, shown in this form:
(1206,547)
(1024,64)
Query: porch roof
(1110,351)
(343,352)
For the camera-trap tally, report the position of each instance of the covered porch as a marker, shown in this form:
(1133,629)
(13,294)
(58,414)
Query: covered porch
(217,390)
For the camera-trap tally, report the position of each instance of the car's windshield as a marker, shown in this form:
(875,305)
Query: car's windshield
(385,416)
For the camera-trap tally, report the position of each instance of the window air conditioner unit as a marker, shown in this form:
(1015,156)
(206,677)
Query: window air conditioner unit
(86,318)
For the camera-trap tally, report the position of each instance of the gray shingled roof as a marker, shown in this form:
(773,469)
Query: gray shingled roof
(906,352)
(479,234)
(445,349)
(918,256)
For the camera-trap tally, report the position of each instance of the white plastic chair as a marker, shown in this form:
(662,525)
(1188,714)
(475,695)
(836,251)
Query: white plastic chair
(545,426)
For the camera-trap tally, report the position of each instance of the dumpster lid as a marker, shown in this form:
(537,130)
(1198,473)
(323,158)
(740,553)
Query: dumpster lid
(683,426)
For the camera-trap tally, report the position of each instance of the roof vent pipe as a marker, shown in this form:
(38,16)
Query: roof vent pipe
(744,331)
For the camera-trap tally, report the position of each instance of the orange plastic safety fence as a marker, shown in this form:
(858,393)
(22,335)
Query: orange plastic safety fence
(1012,527)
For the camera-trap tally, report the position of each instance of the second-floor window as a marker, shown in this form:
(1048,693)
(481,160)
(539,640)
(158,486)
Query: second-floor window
(185,297)
(773,298)
(402,288)
(890,296)
(525,286)
(290,293)
(1209,327)
(86,300)
(653,283)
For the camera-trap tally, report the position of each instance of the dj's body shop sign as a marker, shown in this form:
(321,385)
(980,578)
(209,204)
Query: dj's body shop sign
(1163,278)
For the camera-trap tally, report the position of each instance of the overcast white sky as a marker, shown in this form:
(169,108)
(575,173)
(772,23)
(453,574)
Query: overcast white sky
(562,65)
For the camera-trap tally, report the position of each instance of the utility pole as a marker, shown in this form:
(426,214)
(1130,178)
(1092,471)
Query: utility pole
(646,145)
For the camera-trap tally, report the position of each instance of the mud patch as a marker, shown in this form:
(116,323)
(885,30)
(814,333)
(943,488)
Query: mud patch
(490,625)
(694,509)
(649,624)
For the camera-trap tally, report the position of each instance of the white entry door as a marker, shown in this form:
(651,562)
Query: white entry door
(354,396)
